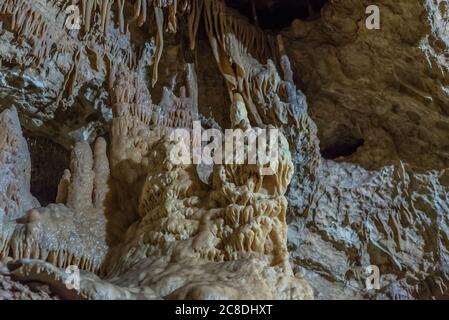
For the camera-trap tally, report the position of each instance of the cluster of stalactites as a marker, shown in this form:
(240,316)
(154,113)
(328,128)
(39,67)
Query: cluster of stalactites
(131,97)
(246,57)
(28,21)
(160,15)
(163,14)
(222,22)
(140,15)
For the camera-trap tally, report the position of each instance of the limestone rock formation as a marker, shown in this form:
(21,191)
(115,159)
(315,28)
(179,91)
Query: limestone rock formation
(379,100)
(361,182)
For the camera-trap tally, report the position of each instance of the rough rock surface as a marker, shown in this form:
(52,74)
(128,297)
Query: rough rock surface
(125,210)
(379,98)
(11,289)
(381,89)
(139,225)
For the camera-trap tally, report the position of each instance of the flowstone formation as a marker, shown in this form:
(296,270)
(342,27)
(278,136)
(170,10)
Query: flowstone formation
(367,186)
(189,240)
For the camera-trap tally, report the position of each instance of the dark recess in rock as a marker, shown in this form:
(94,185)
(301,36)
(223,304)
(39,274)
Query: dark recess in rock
(278,14)
(48,161)
(343,148)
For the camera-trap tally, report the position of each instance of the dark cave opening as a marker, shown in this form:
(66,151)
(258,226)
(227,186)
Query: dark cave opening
(277,14)
(343,148)
(48,162)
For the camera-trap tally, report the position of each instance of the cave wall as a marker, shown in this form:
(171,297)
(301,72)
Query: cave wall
(379,100)
(379,86)
(376,195)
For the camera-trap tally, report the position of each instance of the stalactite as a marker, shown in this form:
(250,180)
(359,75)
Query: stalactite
(172,21)
(26,21)
(137,9)
(70,81)
(143,15)
(121,14)
(105,14)
(88,14)
(194,21)
(253,40)
(243,53)
(96,13)
(159,15)
(84,9)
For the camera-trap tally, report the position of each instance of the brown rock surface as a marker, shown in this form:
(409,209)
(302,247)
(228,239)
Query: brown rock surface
(379,99)
(138,225)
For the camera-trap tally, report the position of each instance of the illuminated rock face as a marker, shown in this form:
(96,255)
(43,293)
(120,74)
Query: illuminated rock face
(139,225)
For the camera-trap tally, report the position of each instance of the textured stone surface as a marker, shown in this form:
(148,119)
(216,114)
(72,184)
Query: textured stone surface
(380,95)
(378,86)
(48,162)
(12,290)
(139,226)
(149,226)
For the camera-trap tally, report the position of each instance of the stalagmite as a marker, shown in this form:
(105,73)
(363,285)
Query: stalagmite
(101,171)
(82,181)
(63,187)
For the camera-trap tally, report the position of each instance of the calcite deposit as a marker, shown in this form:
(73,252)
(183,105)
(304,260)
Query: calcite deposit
(93,92)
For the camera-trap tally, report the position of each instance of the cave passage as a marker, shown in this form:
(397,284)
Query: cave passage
(277,14)
(48,162)
(344,148)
